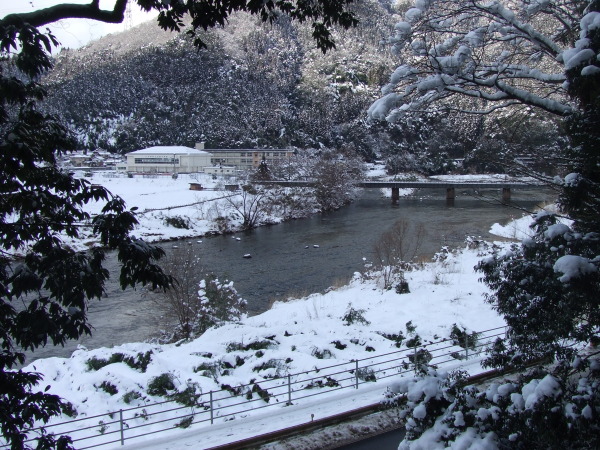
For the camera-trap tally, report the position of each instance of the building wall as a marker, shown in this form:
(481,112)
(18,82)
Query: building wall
(195,163)
(248,158)
(168,163)
(220,170)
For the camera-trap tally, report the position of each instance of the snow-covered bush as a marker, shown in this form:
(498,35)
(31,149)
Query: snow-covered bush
(544,289)
(196,301)
(139,362)
(161,385)
(543,409)
(219,302)
(178,222)
(352,316)
(464,339)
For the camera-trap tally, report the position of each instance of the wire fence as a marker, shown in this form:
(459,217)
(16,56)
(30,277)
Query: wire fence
(283,389)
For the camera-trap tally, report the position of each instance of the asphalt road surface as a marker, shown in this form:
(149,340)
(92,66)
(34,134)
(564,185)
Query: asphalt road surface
(384,441)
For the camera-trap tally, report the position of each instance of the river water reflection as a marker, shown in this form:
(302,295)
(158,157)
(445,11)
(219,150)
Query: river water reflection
(305,256)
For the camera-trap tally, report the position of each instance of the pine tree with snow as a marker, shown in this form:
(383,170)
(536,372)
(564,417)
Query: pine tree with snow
(263,172)
(480,57)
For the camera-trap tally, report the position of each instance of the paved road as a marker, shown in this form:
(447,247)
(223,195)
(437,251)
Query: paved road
(384,441)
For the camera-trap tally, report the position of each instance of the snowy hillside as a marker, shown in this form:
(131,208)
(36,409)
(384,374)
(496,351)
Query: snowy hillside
(255,85)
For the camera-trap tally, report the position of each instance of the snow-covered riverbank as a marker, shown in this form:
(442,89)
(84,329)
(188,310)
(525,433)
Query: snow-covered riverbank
(160,198)
(301,334)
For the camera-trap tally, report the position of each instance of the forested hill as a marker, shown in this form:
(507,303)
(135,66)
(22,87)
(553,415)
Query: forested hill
(256,85)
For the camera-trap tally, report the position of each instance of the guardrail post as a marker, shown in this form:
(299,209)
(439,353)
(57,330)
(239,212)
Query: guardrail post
(356,374)
(466,345)
(122,428)
(289,390)
(415,359)
(212,417)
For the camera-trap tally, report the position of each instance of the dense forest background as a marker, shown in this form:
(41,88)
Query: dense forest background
(261,86)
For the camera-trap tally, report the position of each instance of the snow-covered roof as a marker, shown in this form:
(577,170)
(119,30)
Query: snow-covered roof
(168,150)
(258,150)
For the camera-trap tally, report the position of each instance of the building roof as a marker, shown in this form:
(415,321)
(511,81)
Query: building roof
(257,150)
(169,150)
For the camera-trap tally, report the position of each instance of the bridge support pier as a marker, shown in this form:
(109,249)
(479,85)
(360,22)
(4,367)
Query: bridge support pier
(395,196)
(450,196)
(505,194)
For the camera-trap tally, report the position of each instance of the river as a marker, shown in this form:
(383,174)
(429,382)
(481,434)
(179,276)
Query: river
(303,256)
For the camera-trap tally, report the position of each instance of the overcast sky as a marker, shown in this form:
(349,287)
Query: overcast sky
(74,33)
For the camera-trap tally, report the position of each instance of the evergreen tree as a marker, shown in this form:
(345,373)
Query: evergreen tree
(546,288)
(262,173)
(218,302)
(40,205)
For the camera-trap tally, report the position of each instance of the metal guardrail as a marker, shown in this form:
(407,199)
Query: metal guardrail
(281,390)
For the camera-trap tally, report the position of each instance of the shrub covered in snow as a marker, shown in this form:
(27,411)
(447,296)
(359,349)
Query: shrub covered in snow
(543,409)
(544,290)
(196,302)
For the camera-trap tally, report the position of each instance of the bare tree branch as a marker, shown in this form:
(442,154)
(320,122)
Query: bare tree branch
(68,11)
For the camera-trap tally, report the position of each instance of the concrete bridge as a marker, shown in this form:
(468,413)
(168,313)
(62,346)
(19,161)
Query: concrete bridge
(450,186)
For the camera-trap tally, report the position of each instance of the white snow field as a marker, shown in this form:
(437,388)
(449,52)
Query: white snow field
(298,338)
(291,338)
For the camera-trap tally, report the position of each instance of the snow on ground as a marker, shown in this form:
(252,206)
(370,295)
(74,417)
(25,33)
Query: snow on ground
(293,337)
(520,228)
(516,229)
(227,432)
(375,171)
(160,197)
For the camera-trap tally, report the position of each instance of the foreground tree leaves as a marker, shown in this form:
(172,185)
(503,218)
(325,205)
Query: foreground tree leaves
(542,409)
(44,294)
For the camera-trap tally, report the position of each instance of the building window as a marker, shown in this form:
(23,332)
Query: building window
(156,160)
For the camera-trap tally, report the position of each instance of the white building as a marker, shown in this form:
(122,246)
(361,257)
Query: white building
(220,170)
(176,159)
(247,159)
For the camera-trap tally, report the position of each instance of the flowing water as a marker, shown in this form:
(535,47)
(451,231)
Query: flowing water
(303,256)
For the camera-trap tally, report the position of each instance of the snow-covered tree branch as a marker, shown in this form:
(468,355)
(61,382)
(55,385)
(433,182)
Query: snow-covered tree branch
(479,56)
(496,53)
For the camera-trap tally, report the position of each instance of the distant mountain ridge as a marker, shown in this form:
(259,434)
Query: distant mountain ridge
(256,85)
